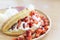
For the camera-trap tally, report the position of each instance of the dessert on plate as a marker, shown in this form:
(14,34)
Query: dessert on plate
(27,24)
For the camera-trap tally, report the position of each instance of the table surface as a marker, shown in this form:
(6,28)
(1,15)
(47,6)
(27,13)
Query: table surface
(50,7)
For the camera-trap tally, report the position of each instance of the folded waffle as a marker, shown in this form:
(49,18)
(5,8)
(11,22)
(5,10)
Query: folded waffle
(13,20)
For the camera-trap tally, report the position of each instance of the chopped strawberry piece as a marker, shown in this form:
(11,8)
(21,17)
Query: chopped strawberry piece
(43,31)
(43,18)
(46,28)
(14,39)
(39,30)
(32,13)
(26,19)
(19,22)
(30,24)
(29,33)
(29,38)
(46,22)
(37,35)
(20,38)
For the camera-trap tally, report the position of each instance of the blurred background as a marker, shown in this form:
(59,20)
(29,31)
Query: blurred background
(49,7)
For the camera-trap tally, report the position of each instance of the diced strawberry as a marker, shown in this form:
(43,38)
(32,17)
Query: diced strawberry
(43,31)
(37,35)
(19,22)
(46,28)
(14,39)
(39,30)
(24,34)
(29,33)
(32,13)
(29,38)
(41,16)
(30,24)
(46,22)
(26,19)
(20,38)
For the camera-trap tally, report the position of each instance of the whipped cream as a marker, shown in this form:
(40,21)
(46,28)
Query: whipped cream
(21,26)
(35,18)
(27,28)
(37,25)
